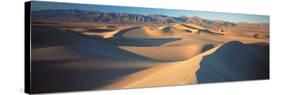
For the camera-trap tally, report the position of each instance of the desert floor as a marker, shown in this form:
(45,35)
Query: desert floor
(70,56)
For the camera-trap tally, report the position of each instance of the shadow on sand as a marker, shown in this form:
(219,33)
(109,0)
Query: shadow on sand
(47,78)
(235,61)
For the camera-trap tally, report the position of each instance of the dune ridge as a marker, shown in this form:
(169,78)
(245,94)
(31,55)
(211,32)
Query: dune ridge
(190,72)
(101,56)
(171,73)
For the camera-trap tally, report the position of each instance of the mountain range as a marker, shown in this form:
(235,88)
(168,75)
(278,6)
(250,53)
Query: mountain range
(94,16)
(74,15)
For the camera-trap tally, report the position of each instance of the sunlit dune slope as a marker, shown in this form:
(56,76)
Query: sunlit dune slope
(170,31)
(185,28)
(140,32)
(194,26)
(151,32)
(173,51)
(170,73)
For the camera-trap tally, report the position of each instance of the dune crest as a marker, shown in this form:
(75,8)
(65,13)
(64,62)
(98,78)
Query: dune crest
(169,53)
(140,32)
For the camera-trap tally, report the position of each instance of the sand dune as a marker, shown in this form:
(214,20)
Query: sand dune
(194,26)
(182,49)
(229,38)
(89,46)
(182,27)
(141,42)
(112,56)
(151,32)
(166,53)
(173,32)
(103,31)
(170,73)
(173,51)
(140,32)
(64,60)
(185,28)
(103,35)
(253,66)
(235,61)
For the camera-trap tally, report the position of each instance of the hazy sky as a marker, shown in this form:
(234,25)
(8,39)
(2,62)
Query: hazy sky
(233,17)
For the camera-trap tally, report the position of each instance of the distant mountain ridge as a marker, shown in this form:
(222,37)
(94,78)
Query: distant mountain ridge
(74,15)
(94,16)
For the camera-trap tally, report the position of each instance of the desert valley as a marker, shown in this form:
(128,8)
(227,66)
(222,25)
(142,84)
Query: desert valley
(87,50)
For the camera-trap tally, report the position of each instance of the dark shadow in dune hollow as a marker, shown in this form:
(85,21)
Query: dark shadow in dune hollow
(235,61)
(47,78)
(142,41)
(207,47)
(99,30)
